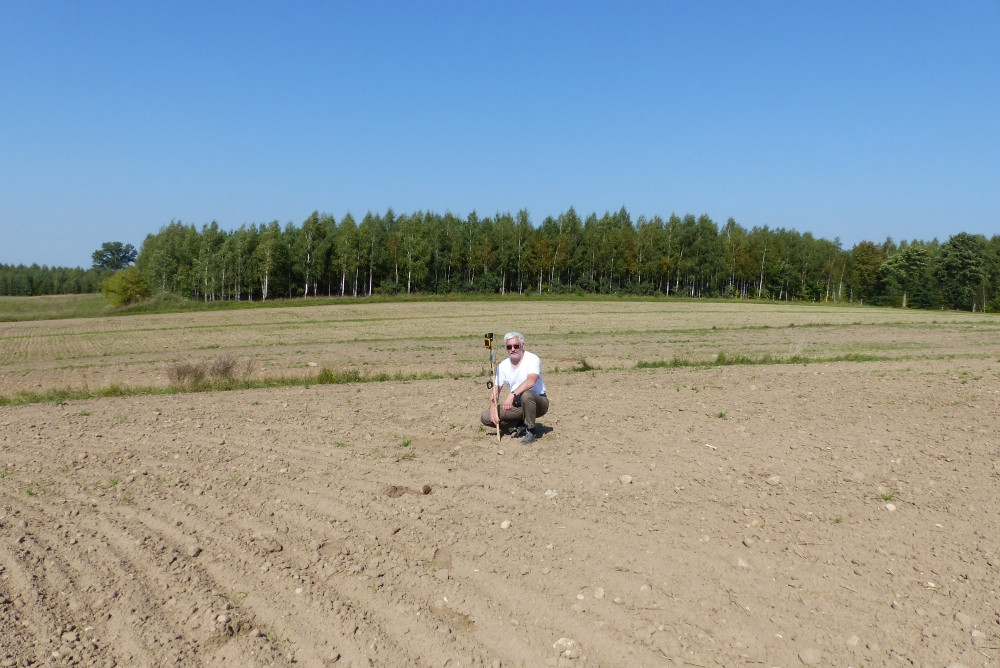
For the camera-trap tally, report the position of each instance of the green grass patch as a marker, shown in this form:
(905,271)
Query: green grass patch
(53,307)
(36,488)
(725,359)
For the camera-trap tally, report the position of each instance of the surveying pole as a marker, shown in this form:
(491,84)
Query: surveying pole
(488,341)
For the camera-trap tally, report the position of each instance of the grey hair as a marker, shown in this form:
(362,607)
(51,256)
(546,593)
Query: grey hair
(513,335)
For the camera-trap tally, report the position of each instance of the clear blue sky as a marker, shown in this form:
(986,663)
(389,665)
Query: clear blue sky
(846,119)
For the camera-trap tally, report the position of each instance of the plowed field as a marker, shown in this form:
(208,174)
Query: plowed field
(827,496)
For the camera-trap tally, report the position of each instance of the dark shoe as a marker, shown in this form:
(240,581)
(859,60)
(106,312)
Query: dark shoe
(520,431)
(529,438)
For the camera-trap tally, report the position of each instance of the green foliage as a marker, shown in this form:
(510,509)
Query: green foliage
(963,270)
(27,281)
(391,255)
(114,256)
(865,265)
(330,377)
(907,276)
(125,287)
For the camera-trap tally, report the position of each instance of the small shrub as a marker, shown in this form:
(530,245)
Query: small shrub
(223,368)
(186,374)
(125,287)
(223,371)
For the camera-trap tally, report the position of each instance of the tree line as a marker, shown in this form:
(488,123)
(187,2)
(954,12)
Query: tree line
(430,253)
(24,281)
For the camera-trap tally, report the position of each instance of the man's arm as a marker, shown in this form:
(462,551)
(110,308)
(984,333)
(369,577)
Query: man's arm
(528,383)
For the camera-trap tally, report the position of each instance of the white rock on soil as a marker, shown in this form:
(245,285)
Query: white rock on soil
(810,656)
(567,648)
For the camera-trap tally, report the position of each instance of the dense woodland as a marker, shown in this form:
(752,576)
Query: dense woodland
(22,280)
(429,253)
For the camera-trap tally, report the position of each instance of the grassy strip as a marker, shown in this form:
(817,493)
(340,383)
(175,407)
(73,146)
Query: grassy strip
(328,376)
(53,307)
(324,377)
(722,359)
(91,305)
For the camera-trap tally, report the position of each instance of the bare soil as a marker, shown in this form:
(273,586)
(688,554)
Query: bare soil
(827,513)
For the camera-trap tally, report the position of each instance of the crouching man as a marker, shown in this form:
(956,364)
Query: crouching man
(521,372)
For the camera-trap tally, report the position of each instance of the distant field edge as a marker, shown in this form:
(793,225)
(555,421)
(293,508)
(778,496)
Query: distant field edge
(56,307)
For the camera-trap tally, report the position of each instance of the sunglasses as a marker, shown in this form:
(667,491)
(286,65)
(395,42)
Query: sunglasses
(514,346)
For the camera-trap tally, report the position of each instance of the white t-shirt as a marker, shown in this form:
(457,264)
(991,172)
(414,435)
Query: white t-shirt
(508,375)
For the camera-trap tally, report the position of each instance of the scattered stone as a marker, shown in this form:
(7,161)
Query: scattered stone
(774,480)
(625,479)
(267,544)
(599,593)
(426,489)
(567,648)
(193,550)
(890,507)
(810,656)
(748,542)
(505,524)
(742,563)
(551,494)
(852,642)
(963,620)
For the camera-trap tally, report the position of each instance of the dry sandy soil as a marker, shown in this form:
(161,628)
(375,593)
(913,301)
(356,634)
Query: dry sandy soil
(831,513)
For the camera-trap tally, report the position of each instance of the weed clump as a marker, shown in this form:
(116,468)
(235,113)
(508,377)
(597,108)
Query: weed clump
(224,372)
(328,376)
(186,374)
